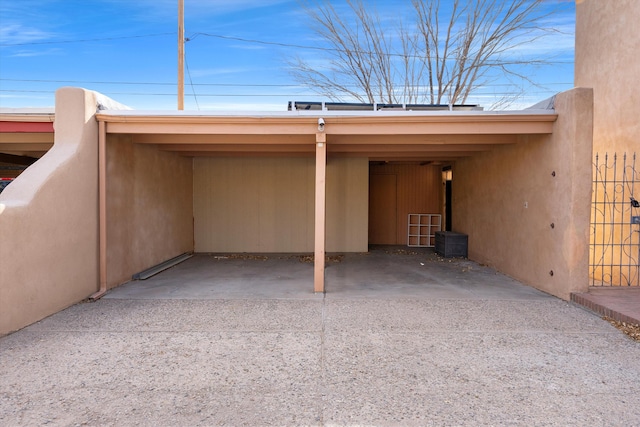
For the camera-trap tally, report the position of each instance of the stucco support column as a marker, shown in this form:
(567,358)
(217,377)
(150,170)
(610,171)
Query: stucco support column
(102,208)
(321,173)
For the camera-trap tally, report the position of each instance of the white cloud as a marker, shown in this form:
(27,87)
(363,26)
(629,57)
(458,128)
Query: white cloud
(205,72)
(16,34)
(33,53)
(546,43)
(247,46)
(193,8)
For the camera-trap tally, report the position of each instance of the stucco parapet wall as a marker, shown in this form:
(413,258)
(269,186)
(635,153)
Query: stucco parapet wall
(49,220)
(331,113)
(337,122)
(37,115)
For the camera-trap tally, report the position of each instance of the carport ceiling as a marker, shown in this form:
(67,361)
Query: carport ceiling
(388,136)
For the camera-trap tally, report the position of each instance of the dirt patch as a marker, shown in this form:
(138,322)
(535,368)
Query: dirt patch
(401,251)
(329,258)
(242,256)
(629,329)
(301,258)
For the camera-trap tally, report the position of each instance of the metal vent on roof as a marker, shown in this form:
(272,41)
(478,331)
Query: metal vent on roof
(356,106)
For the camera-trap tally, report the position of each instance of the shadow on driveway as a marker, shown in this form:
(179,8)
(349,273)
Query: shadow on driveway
(392,342)
(384,272)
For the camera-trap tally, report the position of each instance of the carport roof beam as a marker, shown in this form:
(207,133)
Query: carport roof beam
(371,124)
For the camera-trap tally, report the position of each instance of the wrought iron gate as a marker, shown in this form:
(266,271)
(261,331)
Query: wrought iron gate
(614,258)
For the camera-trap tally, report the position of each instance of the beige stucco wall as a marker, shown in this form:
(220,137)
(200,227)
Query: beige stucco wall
(149,207)
(49,221)
(267,204)
(607,60)
(507,199)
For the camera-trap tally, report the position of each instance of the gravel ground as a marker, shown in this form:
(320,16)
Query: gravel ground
(400,339)
(323,361)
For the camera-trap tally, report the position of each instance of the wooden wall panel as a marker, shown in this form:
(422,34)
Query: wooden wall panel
(347,204)
(383,208)
(267,204)
(418,190)
(253,204)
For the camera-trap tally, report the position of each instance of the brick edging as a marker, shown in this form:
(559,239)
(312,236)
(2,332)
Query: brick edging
(583,301)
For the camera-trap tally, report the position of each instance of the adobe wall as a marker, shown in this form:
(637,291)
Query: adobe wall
(267,204)
(149,207)
(49,220)
(607,60)
(507,199)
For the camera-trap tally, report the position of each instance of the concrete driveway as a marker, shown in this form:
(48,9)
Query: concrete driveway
(400,338)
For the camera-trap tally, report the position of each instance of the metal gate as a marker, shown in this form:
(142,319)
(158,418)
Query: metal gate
(614,258)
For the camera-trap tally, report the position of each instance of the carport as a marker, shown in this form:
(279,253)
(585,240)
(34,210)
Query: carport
(291,182)
(121,191)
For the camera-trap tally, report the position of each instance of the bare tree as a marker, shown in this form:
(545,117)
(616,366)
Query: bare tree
(441,58)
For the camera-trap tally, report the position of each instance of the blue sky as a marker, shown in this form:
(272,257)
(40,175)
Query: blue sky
(127,50)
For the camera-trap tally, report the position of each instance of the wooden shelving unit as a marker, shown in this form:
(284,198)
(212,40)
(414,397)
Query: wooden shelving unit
(422,228)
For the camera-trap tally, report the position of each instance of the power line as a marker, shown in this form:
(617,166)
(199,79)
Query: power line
(169,94)
(268,43)
(223,84)
(86,40)
(330,49)
(145,83)
(289,95)
(193,89)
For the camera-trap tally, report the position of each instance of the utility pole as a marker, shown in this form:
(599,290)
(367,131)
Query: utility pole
(180,54)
